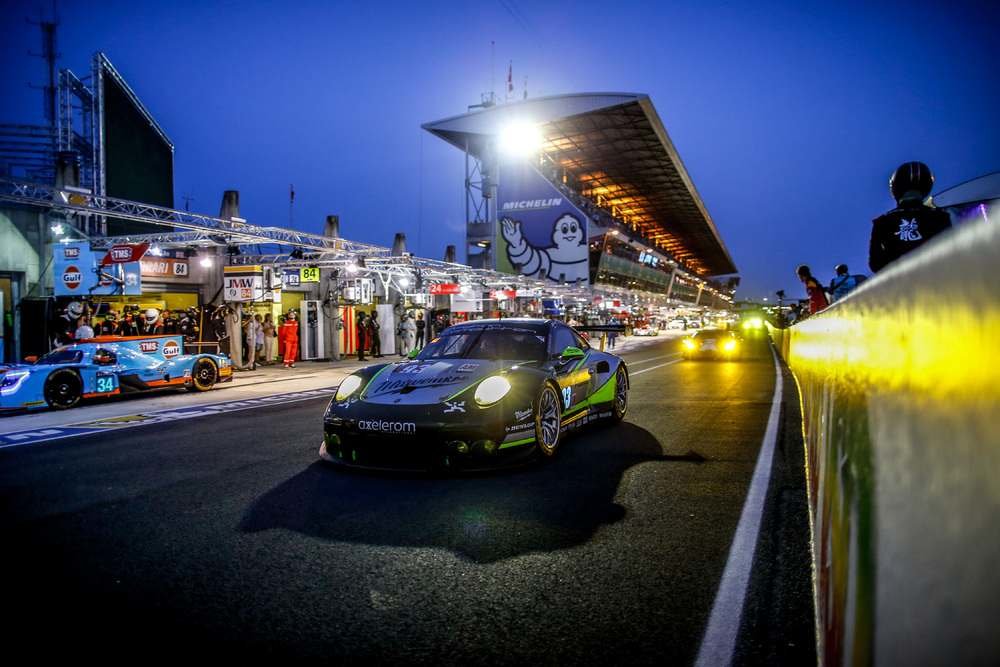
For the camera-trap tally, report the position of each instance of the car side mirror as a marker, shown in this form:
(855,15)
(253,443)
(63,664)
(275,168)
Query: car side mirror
(412,354)
(572,353)
(31,358)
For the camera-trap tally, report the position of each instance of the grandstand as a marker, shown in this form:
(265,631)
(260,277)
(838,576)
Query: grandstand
(604,159)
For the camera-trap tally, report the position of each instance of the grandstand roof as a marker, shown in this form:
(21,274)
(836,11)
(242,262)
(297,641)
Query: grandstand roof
(615,146)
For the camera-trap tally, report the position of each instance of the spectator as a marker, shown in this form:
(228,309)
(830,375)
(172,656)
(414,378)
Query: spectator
(612,338)
(268,330)
(373,336)
(409,329)
(911,223)
(843,283)
(817,297)
(83,329)
(421,325)
(290,336)
(254,331)
(361,326)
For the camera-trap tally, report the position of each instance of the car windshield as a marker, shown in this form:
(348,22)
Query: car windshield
(712,334)
(61,357)
(476,343)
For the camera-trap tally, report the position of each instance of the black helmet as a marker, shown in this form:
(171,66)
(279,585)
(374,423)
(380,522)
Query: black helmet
(910,181)
(841,269)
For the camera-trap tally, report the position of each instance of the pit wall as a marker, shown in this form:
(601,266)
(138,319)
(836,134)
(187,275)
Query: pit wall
(900,391)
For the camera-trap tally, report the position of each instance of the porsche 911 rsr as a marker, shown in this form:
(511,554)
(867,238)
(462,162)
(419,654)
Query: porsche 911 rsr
(109,366)
(483,394)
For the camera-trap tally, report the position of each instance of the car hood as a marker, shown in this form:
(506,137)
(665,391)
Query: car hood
(420,382)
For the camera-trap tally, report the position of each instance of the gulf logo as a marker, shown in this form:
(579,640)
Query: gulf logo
(72,277)
(149,346)
(171,349)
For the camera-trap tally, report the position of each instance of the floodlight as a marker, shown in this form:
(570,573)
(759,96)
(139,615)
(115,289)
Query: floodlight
(155,251)
(206,261)
(57,229)
(404,282)
(520,139)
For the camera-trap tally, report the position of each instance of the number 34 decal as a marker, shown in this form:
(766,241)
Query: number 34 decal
(105,384)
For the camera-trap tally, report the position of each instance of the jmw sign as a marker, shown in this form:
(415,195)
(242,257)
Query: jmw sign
(243,288)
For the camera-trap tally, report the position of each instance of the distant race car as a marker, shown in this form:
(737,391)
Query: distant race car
(483,394)
(108,366)
(713,343)
(645,331)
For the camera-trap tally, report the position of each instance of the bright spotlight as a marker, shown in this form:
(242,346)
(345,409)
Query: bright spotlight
(155,251)
(404,282)
(57,229)
(352,268)
(520,139)
(206,262)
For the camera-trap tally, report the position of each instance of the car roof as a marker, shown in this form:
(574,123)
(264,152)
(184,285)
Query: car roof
(533,323)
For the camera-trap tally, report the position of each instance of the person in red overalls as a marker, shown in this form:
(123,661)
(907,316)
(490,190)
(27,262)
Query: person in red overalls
(288,335)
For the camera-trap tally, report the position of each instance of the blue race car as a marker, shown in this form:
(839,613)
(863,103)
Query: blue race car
(108,366)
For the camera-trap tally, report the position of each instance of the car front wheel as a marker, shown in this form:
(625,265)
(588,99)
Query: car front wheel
(63,389)
(548,421)
(620,405)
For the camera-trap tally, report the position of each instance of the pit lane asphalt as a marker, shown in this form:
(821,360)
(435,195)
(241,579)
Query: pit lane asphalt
(225,537)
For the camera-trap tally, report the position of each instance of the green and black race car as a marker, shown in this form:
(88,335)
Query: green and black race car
(483,394)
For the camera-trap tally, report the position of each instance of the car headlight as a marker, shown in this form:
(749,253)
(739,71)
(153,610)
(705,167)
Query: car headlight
(729,345)
(688,343)
(491,390)
(350,385)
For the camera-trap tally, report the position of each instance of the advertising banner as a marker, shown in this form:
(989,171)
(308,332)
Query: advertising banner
(466,304)
(76,272)
(540,232)
(445,288)
(164,267)
(243,283)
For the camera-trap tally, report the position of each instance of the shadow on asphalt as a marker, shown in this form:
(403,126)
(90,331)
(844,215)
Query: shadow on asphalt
(555,505)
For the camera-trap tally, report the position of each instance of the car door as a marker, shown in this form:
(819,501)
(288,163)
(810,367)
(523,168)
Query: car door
(573,375)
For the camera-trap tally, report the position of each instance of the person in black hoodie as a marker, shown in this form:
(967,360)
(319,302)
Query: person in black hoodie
(911,223)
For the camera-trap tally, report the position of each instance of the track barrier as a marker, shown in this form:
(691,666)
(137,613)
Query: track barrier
(900,391)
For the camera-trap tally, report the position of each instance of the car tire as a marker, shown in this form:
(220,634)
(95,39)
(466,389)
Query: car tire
(619,404)
(548,421)
(63,389)
(204,375)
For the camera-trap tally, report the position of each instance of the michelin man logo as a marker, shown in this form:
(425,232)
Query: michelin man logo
(565,260)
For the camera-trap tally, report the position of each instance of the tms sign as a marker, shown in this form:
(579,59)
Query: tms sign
(149,346)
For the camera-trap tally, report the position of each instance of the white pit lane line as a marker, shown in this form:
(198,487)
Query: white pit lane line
(117,423)
(653,368)
(644,361)
(719,642)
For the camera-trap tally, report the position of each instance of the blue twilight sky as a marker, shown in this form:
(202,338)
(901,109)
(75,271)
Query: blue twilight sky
(789,116)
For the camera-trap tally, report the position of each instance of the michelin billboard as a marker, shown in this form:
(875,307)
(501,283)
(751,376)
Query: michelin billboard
(540,233)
